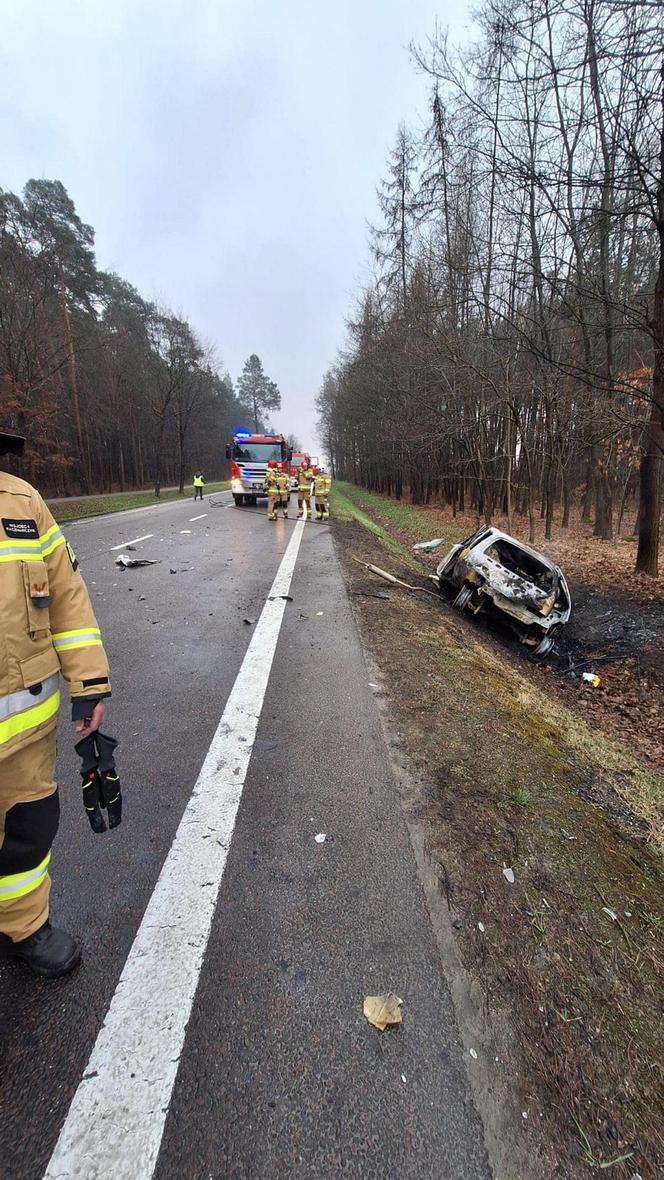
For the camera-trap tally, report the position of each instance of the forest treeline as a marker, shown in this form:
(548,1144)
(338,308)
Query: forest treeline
(110,390)
(506,355)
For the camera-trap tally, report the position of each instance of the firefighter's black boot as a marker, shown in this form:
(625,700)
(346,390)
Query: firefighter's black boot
(48,952)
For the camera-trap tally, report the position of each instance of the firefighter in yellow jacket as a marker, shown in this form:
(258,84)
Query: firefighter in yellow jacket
(47,628)
(272,489)
(283,482)
(305,476)
(322,484)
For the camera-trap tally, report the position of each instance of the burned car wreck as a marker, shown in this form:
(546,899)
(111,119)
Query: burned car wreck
(493,572)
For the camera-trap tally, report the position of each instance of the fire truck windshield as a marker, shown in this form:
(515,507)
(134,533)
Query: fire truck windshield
(255,452)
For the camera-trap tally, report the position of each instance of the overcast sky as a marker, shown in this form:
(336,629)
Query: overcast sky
(227,153)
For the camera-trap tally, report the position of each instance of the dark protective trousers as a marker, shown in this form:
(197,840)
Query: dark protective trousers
(29,815)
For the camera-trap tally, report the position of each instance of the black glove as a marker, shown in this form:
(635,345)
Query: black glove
(101,783)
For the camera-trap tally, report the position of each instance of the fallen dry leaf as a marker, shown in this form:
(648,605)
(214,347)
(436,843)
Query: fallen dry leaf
(383,1010)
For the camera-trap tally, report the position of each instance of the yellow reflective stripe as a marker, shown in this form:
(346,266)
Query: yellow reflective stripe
(24,542)
(22,548)
(18,884)
(20,555)
(62,647)
(77,631)
(17,702)
(37,715)
(81,637)
(32,542)
(54,545)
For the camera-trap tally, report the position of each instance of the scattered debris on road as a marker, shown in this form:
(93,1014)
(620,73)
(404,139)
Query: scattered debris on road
(508,874)
(320,838)
(492,571)
(248,621)
(131,563)
(383,1010)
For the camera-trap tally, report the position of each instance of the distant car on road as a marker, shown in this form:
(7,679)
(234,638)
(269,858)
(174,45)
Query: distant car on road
(492,571)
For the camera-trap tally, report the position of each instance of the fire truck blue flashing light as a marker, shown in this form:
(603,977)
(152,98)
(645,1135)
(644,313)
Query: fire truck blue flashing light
(242,433)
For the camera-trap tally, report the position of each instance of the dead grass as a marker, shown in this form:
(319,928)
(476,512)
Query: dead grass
(506,775)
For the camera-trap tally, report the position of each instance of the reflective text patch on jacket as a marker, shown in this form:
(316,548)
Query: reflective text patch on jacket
(47,625)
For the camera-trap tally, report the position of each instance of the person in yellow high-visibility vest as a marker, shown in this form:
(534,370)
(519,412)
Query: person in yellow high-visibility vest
(47,629)
(283,482)
(322,484)
(199,486)
(305,477)
(272,489)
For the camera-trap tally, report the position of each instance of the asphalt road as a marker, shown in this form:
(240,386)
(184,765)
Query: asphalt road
(279,1072)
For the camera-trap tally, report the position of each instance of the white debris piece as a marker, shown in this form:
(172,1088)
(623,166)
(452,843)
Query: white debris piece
(320,838)
(508,874)
(609,913)
(473,1054)
(133,562)
(480,927)
(429,546)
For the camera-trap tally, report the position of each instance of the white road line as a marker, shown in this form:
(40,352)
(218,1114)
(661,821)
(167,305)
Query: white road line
(193,518)
(134,542)
(116,1120)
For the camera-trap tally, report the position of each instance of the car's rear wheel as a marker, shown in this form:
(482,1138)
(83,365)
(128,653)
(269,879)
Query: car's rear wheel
(239,500)
(463,597)
(544,647)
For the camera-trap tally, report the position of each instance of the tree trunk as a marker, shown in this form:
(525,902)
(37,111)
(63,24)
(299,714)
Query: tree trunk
(647,557)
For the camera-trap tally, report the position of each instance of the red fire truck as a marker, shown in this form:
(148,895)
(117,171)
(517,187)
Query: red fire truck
(249,455)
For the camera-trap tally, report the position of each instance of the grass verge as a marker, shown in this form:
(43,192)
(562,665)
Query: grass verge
(77,508)
(502,775)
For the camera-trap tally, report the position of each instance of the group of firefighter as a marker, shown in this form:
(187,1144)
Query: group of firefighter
(278,487)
